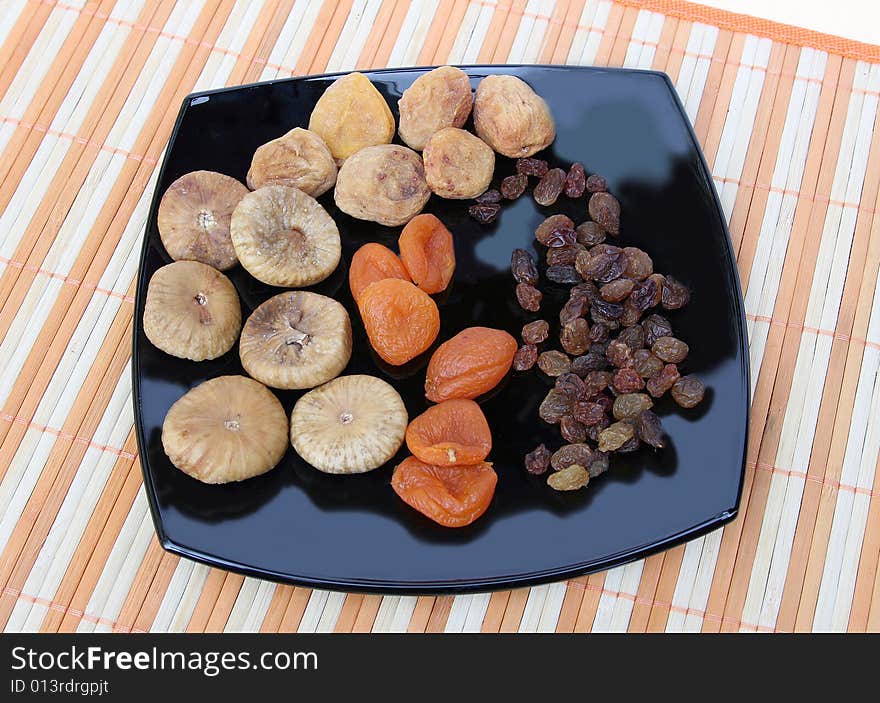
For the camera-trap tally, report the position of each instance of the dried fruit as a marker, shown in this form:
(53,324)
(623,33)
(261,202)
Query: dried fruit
(554,363)
(451,433)
(565,256)
(619,354)
(535,332)
(296,340)
(514,186)
(602,310)
(645,294)
(299,159)
(605,210)
(638,264)
(555,406)
(646,363)
(599,334)
(594,431)
(384,184)
(562,274)
(570,454)
(401,320)
(628,405)
(675,294)
(227,429)
(545,232)
(484,213)
(531,167)
(490,196)
(596,183)
(437,99)
(458,165)
(630,445)
(569,479)
(572,430)
(630,315)
(656,326)
(571,384)
(523,268)
(597,381)
(617,290)
(688,391)
(351,115)
(528,297)
(373,262)
(633,337)
(663,381)
(537,461)
(525,357)
(590,234)
(194,216)
(602,266)
(575,336)
(628,381)
(615,436)
(511,118)
(452,496)
(649,430)
(670,350)
(192,311)
(427,252)
(599,465)
(582,365)
(576,306)
(469,364)
(350,425)
(575,181)
(549,187)
(588,413)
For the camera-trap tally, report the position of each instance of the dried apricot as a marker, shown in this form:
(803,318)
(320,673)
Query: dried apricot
(401,320)
(373,262)
(452,433)
(428,253)
(473,362)
(453,496)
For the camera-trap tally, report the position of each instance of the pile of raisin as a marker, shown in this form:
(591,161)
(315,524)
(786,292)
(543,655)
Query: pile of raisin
(615,354)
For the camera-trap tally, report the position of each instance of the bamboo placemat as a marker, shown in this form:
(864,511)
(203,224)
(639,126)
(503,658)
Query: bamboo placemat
(788,120)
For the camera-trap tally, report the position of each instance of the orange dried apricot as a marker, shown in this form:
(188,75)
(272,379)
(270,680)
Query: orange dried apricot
(473,362)
(401,320)
(373,262)
(453,433)
(427,252)
(453,496)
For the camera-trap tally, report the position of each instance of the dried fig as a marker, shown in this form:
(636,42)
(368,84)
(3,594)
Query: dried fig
(439,98)
(458,165)
(300,159)
(511,118)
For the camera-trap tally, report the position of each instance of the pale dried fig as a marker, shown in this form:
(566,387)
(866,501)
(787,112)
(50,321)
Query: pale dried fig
(458,165)
(299,159)
(384,184)
(511,118)
(439,98)
(351,115)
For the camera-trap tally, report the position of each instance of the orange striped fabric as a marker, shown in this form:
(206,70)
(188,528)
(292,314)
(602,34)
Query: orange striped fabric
(790,126)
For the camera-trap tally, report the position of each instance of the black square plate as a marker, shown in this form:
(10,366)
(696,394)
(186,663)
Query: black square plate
(297,525)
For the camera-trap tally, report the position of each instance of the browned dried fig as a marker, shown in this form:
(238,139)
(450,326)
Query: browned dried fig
(511,118)
(284,237)
(458,165)
(439,98)
(194,216)
(192,311)
(384,184)
(351,115)
(300,159)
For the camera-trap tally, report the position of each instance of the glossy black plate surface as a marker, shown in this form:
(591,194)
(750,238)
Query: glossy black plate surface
(352,533)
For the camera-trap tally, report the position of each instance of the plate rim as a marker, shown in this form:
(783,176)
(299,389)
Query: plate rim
(450,586)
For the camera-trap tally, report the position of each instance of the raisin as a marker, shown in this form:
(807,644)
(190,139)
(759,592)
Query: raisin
(588,413)
(525,357)
(605,249)
(603,309)
(617,290)
(564,256)
(575,181)
(628,381)
(490,196)
(663,381)
(604,208)
(599,333)
(571,384)
(629,405)
(573,309)
(603,401)
(602,267)
(638,264)
(599,465)
(596,183)
(544,231)
(646,363)
(594,431)
(563,274)
(569,454)
(569,479)
(597,381)
(590,234)
(535,332)
(538,460)
(615,269)
(615,436)
(528,297)
(656,326)
(514,186)
(523,268)
(554,363)
(619,354)
(645,294)
(670,350)
(649,430)
(688,391)
(555,406)
(633,337)
(631,314)
(582,365)
(575,336)
(484,213)
(549,187)
(630,445)
(572,430)
(531,167)
(675,294)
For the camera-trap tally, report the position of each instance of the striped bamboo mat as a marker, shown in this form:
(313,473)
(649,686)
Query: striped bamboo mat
(789,123)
